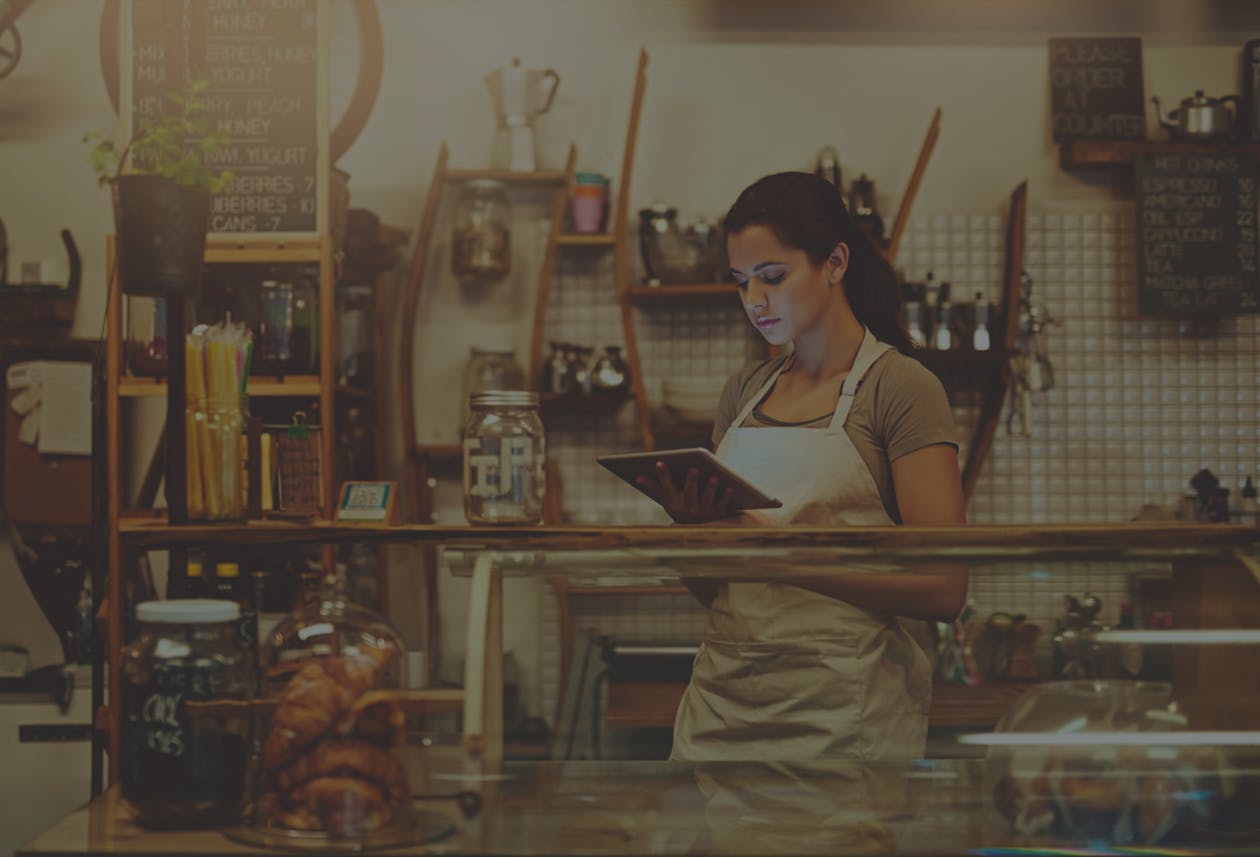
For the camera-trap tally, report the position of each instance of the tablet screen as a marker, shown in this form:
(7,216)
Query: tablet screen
(630,465)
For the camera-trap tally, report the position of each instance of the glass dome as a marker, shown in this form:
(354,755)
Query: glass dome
(1115,762)
(329,771)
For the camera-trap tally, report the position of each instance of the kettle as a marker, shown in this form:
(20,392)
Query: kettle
(520,96)
(1200,117)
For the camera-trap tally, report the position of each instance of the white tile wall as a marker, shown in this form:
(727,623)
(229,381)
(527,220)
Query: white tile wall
(1138,406)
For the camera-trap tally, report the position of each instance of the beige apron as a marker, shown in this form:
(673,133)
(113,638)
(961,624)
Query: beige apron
(787,674)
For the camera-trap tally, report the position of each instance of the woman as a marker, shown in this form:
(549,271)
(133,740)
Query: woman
(847,429)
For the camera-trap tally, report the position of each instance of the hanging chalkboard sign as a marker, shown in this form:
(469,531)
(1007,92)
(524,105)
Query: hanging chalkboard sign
(1196,223)
(1096,89)
(262,61)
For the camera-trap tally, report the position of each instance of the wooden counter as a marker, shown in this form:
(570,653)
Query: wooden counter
(624,808)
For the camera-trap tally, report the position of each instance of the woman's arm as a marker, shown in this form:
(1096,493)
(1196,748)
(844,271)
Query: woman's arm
(929,493)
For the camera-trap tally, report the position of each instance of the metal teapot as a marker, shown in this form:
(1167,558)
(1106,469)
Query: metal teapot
(1200,117)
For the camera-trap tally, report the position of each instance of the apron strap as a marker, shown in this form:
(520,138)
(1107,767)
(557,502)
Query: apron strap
(870,350)
(752,403)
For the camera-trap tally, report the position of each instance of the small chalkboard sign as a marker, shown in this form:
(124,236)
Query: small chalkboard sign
(262,61)
(1196,222)
(1096,90)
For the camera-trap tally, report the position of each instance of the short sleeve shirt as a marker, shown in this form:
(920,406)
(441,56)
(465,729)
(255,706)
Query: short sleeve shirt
(899,407)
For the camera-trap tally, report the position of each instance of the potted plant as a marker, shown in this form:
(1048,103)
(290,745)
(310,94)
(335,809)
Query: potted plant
(161,182)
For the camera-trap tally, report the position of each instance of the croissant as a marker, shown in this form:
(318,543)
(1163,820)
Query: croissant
(316,697)
(376,716)
(357,669)
(337,757)
(346,806)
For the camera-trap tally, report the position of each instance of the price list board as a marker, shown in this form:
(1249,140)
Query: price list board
(1196,221)
(262,61)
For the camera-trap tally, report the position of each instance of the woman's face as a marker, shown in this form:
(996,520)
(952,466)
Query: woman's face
(783,293)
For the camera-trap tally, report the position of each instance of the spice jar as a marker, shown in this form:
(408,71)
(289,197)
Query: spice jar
(481,242)
(504,454)
(186,687)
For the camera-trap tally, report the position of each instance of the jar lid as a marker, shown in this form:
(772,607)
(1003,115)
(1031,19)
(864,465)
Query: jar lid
(504,398)
(590,178)
(188,611)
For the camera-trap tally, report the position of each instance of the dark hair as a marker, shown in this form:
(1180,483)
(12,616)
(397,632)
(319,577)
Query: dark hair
(807,212)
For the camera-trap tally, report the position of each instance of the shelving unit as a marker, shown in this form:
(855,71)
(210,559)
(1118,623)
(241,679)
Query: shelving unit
(1091,154)
(120,387)
(424,459)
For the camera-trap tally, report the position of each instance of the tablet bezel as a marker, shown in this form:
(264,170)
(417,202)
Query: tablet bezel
(629,465)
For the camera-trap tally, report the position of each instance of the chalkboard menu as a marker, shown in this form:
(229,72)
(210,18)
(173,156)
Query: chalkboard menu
(261,61)
(1197,234)
(1096,89)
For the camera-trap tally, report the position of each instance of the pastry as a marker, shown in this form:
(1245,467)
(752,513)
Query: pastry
(329,756)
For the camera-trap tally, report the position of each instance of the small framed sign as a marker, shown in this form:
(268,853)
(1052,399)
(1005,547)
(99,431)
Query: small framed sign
(367,502)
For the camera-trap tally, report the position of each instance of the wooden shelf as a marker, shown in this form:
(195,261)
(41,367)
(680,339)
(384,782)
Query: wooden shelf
(263,251)
(682,434)
(259,385)
(576,239)
(352,392)
(962,359)
(1090,154)
(512,177)
(652,295)
(448,452)
(1162,540)
(982,705)
(595,402)
(627,589)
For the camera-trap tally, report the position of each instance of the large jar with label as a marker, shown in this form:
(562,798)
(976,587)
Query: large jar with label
(481,241)
(504,458)
(187,684)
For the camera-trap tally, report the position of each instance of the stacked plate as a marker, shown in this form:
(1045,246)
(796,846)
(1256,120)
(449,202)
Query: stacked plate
(692,399)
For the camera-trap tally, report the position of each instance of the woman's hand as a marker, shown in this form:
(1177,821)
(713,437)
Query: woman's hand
(689,503)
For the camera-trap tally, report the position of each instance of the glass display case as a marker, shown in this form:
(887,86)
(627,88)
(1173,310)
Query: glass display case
(1138,731)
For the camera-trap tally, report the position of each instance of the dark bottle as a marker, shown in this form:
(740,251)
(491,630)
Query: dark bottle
(190,584)
(230,586)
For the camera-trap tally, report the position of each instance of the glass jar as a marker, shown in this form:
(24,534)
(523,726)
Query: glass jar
(504,457)
(481,240)
(303,338)
(275,327)
(146,336)
(356,362)
(330,767)
(186,686)
(488,369)
(1063,762)
(216,482)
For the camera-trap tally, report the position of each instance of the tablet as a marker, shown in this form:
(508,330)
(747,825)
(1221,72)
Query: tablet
(629,465)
